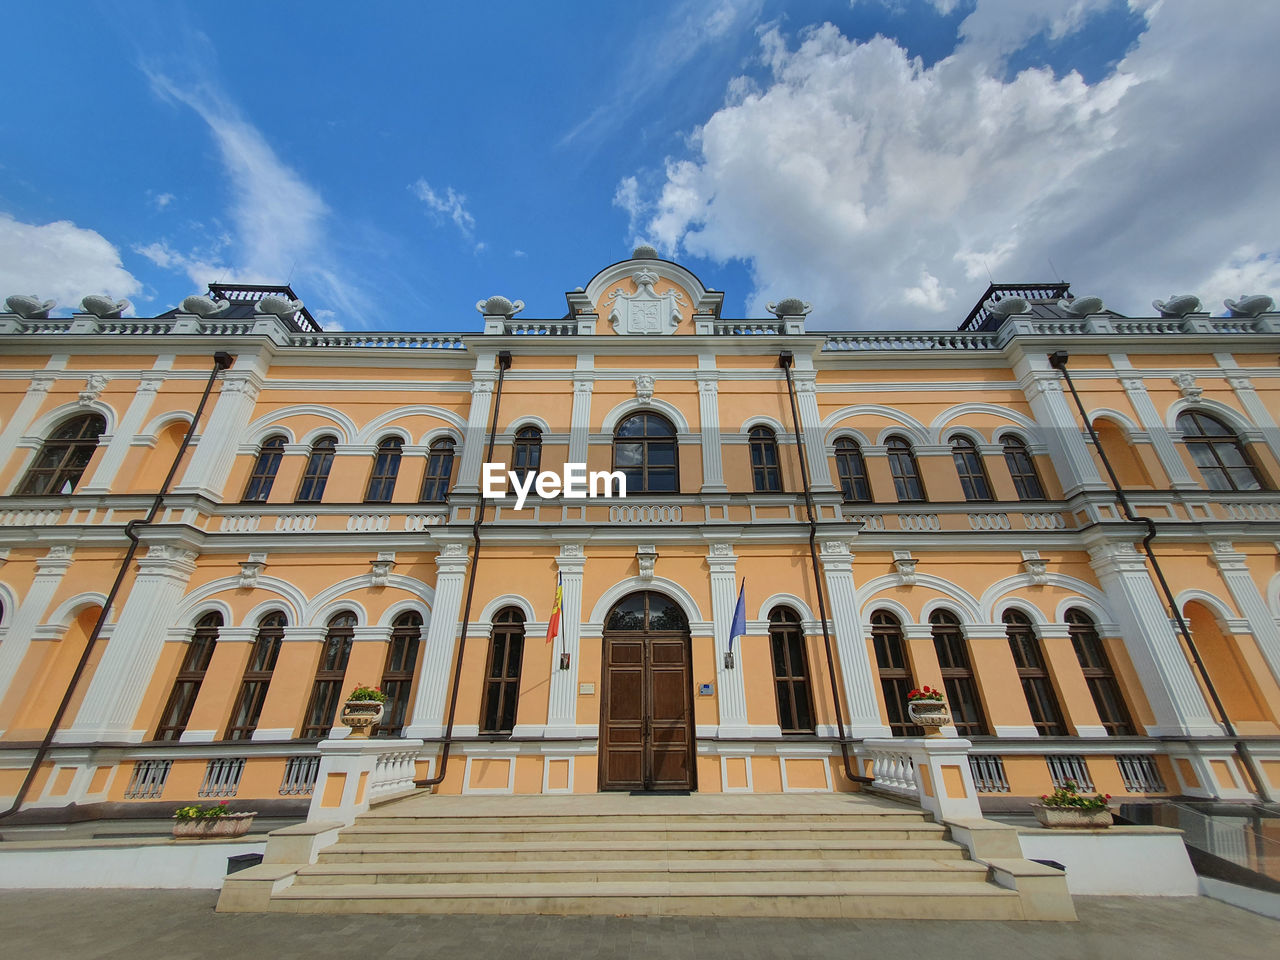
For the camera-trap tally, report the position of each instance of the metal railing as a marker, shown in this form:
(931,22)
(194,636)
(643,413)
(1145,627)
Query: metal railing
(299,776)
(988,773)
(222,777)
(1140,773)
(1069,766)
(148,780)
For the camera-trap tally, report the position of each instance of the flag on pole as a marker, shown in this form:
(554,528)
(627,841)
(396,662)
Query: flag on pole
(738,627)
(553,624)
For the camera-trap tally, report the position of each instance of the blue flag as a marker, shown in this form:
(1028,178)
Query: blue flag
(739,626)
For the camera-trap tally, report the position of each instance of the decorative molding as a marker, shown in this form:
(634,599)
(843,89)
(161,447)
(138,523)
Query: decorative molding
(906,566)
(95,383)
(382,566)
(1186,384)
(644,387)
(646,558)
(1036,567)
(250,569)
(645,312)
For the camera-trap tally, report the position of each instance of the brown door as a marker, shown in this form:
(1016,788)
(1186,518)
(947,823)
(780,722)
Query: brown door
(646,711)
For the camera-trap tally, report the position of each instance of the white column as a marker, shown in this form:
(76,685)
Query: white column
(30,613)
(729,683)
(1254,407)
(122,438)
(21,420)
(128,663)
(709,419)
(206,474)
(475,439)
(427,716)
(562,705)
(1059,422)
(580,419)
(863,719)
(815,446)
(1244,592)
(1156,651)
(1179,477)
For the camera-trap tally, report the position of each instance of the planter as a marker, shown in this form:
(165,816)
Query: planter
(1072,817)
(361,716)
(227,825)
(930,714)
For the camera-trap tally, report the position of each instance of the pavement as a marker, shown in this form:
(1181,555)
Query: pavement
(175,925)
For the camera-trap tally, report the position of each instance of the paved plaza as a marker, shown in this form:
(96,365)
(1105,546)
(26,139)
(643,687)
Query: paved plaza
(173,925)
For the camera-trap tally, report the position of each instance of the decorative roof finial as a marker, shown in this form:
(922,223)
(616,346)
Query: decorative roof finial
(1250,306)
(30,308)
(104,308)
(499,307)
(1178,305)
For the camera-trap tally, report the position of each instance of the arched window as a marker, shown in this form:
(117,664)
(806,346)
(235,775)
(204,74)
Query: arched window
(397,674)
(957,675)
(1218,453)
(790,671)
(906,475)
(382,482)
(63,457)
(644,449)
(195,661)
(765,475)
(502,674)
(435,482)
(1028,657)
(316,475)
(1098,674)
(895,672)
(526,452)
(264,470)
(257,677)
(852,471)
(327,692)
(973,477)
(1022,469)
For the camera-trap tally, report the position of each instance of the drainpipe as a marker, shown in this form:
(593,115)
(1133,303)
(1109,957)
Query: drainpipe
(784,361)
(1058,360)
(221,361)
(504,362)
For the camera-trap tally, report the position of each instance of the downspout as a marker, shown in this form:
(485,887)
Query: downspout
(1058,360)
(504,362)
(221,361)
(784,361)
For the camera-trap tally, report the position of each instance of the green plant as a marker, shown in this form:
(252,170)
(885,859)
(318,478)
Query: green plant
(1068,795)
(367,694)
(925,693)
(197,812)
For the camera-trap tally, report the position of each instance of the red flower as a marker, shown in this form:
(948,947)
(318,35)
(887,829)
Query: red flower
(1107,795)
(224,803)
(915,693)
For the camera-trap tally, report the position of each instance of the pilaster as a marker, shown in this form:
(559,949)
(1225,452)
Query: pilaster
(729,681)
(815,446)
(1060,425)
(580,418)
(1174,466)
(427,716)
(562,702)
(709,425)
(214,455)
(123,437)
(856,672)
(1244,592)
(28,615)
(20,423)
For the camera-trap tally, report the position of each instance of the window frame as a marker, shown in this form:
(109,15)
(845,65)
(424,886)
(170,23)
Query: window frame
(1210,443)
(787,636)
(762,444)
(526,452)
(331,673)
(386,468)
(958,679)
(399,671)
(437,477)
(895,680)
(190,677)
(265,467)
(48,481)
(1099,675)
(508,625)
(855,482)
(971,470)
(255,681)
(1033,673)
(647,442)
(316,475)
(905,470)
(1022,469)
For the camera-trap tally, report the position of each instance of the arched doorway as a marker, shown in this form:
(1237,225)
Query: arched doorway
(646,711)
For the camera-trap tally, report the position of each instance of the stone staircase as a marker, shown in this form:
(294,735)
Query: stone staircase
(817,855)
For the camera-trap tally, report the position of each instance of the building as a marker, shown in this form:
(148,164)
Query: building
(324,528)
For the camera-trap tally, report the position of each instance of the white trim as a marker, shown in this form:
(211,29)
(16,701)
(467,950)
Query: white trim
(1124,422)
(292,597)
(69,609)
(326,598)
(40,429)
(321,615)
(1236,420)
(636,405)
(8,604)
(507,600)
(407,605)
(162,421)
(547,758)
(511,758)
(826,769)
(724,774)
(661,585)
(1222,612)
(1022,581)
(210,606)
(904,421)
(440,433)
(1020,604)
(623,270)
(343,425)
(525,420)
(262,609)
(787,600)
(889,605)
(857,436)
(379,425)
(760,420)
(970,606)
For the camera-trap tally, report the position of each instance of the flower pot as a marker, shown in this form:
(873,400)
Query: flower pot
(227,825)
(361,716)
(930,714)
(1072,816)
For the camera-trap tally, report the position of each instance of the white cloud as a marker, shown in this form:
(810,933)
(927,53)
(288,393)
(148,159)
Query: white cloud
(884,191)
(160,200)
(449,204)
(60,261)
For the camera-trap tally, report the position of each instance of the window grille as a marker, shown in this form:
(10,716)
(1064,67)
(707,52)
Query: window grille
(299,776)
(988,774)
(1140,774)
(147,782)
(222,777)
(1070,766)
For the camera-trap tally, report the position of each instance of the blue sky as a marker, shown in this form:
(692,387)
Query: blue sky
(399,161)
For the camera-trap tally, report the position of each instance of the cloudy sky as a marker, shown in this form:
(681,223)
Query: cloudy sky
(883,159)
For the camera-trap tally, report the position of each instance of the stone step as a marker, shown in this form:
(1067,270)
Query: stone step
(630,830)
(388,817)
(853,899)
(831,849)
(696,871)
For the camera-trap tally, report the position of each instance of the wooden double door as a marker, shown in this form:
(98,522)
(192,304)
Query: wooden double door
(646,711)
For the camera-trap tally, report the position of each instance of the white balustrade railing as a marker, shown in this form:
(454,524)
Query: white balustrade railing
(894,770)
(393,772)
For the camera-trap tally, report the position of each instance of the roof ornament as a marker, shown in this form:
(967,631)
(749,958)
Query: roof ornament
(30,308)
(203,306)
(281,307)
(104,308)
(791,307)
(645,311)
(1250,306)
(1178,305)
(499,307)
(644,252)
(1008,307)
(1082,306)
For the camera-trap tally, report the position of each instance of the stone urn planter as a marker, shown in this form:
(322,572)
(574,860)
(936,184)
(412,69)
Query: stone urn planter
(930,714)
(1078,817)
(227,825)
(361,716)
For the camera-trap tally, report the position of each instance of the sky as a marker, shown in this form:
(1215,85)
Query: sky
(884,160)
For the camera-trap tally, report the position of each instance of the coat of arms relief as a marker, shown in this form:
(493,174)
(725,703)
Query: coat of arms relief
(645,311)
